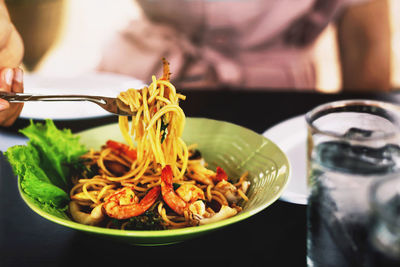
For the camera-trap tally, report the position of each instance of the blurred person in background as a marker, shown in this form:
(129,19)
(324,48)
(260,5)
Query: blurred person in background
(253,43)
(11,75)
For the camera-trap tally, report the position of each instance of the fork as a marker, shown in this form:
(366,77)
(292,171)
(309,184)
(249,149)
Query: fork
(111,104)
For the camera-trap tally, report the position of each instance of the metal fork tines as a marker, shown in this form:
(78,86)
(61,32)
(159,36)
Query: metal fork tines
(111,104)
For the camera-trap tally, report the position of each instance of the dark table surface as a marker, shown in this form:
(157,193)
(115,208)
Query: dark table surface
(274,237)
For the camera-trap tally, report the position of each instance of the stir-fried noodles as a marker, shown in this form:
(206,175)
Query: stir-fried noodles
(154,181)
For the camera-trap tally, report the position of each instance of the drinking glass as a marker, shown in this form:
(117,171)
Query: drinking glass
(351,144)
(384,234)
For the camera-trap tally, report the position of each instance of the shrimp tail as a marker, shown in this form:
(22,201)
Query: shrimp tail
(167,176)
(166,74)
(175,202)
(150,198)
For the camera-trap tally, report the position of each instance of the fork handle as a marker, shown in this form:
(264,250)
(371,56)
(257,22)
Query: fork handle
(20,97)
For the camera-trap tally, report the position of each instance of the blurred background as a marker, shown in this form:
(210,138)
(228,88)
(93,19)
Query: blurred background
(77,31)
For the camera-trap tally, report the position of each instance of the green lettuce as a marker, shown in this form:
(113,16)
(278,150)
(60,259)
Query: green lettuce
(43,165)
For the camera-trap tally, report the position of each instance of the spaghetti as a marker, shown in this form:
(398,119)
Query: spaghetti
(155,181)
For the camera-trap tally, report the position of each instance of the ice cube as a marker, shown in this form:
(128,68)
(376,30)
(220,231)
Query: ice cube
(343,156)
(357,133)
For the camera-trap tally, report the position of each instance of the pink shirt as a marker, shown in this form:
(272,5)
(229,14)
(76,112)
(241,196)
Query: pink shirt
(238,43)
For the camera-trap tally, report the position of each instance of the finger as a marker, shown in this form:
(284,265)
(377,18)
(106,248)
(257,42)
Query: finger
(9,121)
(4,105)
(18,84)
(11,117)
(6,79)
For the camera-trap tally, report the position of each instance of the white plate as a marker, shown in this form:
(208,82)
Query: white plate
(291,136)
(9,139)
(95,83)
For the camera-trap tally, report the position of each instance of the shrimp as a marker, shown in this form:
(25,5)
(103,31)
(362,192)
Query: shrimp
(123,204)
(190,199)
(206,176)
(121,148)
(178,201)
(190,193)
(199,172)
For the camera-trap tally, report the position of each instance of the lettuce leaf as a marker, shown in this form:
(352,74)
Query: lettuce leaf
(43,164)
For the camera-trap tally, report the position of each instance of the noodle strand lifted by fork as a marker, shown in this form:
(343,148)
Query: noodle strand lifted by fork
(158,125)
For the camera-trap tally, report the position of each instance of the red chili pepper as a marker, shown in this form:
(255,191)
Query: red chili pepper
(122,148)
(221,175)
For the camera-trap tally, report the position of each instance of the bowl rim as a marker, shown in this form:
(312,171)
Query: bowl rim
(167,232)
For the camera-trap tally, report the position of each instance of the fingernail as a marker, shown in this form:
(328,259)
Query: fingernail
(8,76)
(18,75)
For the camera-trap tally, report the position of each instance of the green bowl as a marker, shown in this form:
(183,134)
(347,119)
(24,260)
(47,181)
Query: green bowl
(234,148)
